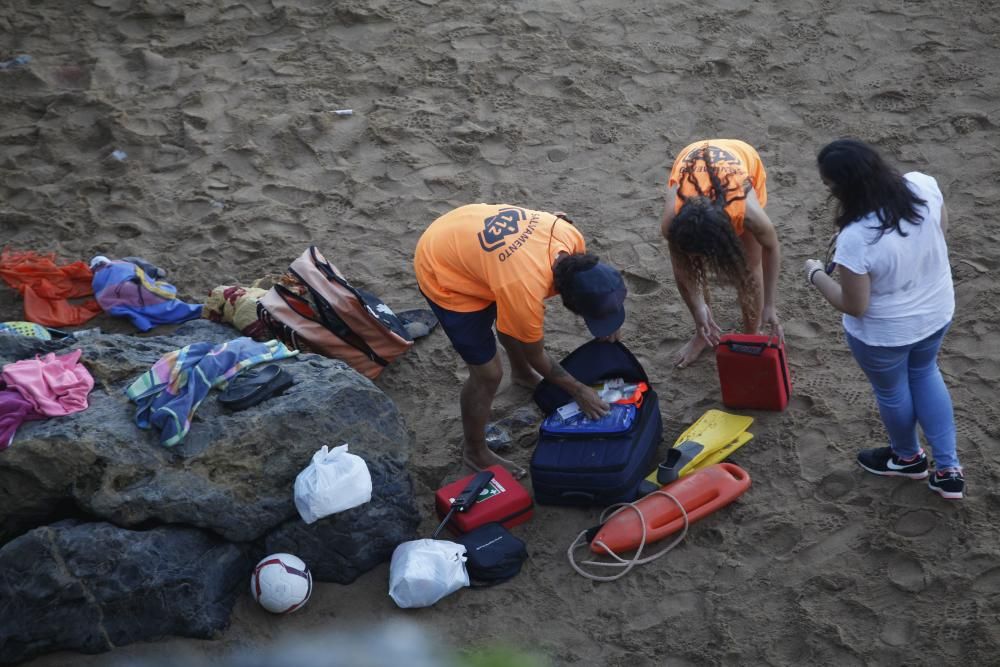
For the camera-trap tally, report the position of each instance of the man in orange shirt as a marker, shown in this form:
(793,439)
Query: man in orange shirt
(495,262)
(715,225)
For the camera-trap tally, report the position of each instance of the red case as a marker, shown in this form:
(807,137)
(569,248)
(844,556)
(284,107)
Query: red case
(753,372)
(504,501)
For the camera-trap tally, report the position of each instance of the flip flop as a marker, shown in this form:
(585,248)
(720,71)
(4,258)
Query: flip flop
(418,322)
(249,389)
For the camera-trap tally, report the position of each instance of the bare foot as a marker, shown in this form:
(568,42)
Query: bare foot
(488,458)
(529,381)
(689,352)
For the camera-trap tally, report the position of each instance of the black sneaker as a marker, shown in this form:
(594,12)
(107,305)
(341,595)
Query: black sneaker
(949,484)
(883,461)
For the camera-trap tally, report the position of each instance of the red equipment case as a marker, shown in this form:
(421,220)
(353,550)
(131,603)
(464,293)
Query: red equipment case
(503,500)
(753,372)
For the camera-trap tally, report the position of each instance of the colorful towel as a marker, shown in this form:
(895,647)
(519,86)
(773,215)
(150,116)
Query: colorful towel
(237,305)
(14,411)
(170,392)
(123,289)
(46,287)
(55,386)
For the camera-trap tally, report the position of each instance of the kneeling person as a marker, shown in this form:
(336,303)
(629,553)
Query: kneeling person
(487,262)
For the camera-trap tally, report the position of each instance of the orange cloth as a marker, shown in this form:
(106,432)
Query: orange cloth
(479,254)
(46,288)
(738,166)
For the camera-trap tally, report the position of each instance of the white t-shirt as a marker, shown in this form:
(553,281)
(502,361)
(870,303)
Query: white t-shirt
(911,291)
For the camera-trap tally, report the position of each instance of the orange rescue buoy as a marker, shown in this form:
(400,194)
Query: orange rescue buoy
(701,493)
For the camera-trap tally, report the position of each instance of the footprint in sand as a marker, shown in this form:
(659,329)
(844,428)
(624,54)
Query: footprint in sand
(782,537)
(814,458)
(288,195)
(835,485)
(917,523)
(639,285)
(803,329)
(898,632)
(907,573)
(988,582)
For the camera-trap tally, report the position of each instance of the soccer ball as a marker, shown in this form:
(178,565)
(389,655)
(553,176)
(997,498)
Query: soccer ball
(281,583)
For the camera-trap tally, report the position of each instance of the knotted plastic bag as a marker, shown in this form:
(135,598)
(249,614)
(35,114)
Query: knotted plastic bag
(333,482)
(424,571)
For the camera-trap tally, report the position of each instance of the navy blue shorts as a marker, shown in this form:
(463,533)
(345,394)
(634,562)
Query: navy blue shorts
(471,334)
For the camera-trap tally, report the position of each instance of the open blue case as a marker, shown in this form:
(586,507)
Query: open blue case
(618,420)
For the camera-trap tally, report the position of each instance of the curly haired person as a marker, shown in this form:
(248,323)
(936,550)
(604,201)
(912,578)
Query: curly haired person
(716,229)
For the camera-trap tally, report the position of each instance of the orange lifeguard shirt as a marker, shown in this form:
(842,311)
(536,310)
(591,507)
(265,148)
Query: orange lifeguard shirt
(738,166)
(481,254)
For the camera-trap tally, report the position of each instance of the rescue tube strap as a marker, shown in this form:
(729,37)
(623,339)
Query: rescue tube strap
(626,564)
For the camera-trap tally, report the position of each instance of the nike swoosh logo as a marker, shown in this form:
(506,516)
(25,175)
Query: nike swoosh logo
(892,465)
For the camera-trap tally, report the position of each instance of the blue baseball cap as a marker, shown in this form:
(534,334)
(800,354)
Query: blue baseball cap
(600,293)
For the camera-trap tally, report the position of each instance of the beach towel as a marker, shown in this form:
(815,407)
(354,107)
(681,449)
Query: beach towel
(14,411)
(55,386)
(168,394)
(237,306)
(46,287)
(124,289)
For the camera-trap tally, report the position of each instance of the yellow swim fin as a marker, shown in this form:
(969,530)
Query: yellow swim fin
(722,454)
(712,438)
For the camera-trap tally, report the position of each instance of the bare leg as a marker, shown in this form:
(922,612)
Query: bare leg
(476,403)
(694,347)
(752,294)
(521,372)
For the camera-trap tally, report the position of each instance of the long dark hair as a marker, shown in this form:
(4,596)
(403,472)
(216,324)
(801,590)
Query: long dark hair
(701,234)
(862,183)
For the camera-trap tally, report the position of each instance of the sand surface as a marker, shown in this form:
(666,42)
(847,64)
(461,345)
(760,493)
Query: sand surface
(236,163)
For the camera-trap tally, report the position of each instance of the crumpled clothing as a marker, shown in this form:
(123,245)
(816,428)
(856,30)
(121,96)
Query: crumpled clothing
(55,386)
(14,411)
(168,394)
(237,306)
(46,288)
(124,289)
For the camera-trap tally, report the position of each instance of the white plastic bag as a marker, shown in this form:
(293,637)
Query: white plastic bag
(333,482)
(424,571)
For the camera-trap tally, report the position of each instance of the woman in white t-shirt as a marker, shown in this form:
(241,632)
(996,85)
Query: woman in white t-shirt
(897,297)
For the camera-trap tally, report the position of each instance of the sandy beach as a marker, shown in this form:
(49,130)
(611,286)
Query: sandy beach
(236,162)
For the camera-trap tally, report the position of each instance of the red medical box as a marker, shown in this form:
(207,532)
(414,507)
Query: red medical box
(503,500)
(753,372)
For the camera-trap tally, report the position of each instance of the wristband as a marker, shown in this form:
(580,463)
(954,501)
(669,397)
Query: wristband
(812,274)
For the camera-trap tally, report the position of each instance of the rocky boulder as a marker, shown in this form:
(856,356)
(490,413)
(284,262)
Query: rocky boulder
(234,472)
(93,586)
(342,547)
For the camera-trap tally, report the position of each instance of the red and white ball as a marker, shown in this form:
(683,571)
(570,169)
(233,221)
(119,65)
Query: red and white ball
(281,583)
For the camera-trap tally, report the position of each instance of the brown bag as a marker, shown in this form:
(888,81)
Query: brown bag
(318,310)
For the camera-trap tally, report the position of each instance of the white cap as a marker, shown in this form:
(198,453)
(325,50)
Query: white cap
(98,260)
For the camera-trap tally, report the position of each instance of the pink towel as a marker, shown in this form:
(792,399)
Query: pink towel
(55,386)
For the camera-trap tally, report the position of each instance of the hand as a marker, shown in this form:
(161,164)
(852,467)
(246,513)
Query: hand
(705,325)
(810,266)
(611,338)
(769,318)
(591,404)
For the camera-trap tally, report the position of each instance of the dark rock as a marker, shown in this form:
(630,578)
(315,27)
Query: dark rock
(343,546)
(92,586)
(234,472)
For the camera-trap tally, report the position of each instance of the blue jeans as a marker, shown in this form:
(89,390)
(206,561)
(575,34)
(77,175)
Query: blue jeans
(910,390)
